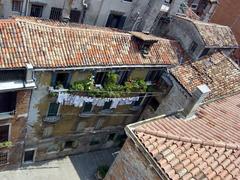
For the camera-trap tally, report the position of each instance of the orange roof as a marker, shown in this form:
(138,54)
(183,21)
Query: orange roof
(217,71)
(47,44)
(205,147)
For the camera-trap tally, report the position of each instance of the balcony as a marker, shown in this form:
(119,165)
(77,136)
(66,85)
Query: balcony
(51,119)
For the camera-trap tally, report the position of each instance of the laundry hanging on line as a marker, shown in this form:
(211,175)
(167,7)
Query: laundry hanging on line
(78,101)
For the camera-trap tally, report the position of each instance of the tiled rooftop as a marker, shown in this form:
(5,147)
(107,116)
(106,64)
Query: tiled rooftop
(217,71)
(47,44)
(214,35)
(206,147)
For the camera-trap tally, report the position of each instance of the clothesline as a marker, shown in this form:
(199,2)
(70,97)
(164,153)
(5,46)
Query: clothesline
(78,101)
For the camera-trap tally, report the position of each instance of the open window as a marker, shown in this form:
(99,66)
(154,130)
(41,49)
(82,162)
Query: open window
(69,145)
(4,133)
(36,10)
(87,107)
(100,77)
(107,105)
(153,76)
(123,77)
(154,103)
(7,102)
(75,16)
(61,80)
(115,20)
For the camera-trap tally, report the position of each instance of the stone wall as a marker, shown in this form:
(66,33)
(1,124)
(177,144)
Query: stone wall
(130,164)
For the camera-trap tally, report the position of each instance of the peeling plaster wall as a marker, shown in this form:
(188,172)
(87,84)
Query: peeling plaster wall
(73,125)
(130,164)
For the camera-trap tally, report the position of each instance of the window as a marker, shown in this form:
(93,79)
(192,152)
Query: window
(17,5)
(68,144)
(123,77)
(36,11)
(107,105)
(138,103)
(29,156)
(168,1)
(56,13)
(154,75)
(205,52)
(154,103)
(3,158)
(100,77)
(61,80)
(111,137)
(95,141)
(128,0)
(53,109)
(7,102)
(4,133)
(87,107)
(193,46)
(115,21)
(75,16)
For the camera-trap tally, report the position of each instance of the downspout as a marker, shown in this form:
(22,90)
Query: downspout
(26,8)
(85,7)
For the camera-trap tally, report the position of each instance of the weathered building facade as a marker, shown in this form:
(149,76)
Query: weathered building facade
(204,8)
(15,92)
(199,38)
(107,75)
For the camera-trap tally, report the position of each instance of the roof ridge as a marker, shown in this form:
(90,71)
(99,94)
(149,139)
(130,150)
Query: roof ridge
(60,25)
(219,144)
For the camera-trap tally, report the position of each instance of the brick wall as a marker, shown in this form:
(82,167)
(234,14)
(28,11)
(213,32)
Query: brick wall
(17,130)
(228,13)
(131,164)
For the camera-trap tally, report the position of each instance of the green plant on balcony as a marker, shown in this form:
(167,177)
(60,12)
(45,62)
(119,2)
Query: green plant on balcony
(110,88)
(5,144)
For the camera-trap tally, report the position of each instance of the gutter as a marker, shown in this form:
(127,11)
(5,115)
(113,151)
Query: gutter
(129,131)
(102,67)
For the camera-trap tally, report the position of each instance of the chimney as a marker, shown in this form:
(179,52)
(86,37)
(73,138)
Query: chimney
(198,96)
(29,81)
(66,10)
(145,42)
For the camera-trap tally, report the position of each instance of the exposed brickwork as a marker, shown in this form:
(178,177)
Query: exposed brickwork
(227,13)
(130,164)
(17,130)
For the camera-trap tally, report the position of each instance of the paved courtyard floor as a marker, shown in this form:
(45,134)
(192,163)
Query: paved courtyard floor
(77,167)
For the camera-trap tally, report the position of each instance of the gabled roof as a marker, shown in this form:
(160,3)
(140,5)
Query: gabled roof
(205,147)
(217,71)
(47,44)
(214,35)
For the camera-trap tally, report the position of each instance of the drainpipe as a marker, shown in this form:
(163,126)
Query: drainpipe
(85,7)
(66,10)
(26,8)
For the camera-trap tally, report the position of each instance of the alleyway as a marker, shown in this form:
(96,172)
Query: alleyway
(77,167)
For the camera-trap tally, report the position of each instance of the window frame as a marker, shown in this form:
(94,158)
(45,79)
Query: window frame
(14,6)
(54,79)
(53,14)
(123,76)
(9,131)
(47,115)
(37,6)
(34,156)
(84,107)
(103,78)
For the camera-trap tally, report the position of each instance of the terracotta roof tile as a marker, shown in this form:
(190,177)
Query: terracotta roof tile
(208,150)
(217,71)
(47,44)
